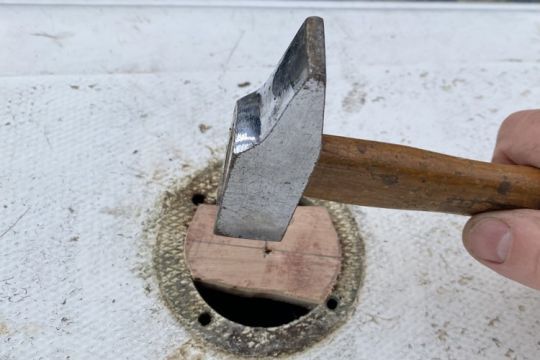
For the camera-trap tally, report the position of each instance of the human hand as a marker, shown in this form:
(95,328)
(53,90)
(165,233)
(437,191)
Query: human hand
(508,242)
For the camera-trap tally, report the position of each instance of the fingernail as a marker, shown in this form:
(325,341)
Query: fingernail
(490,240)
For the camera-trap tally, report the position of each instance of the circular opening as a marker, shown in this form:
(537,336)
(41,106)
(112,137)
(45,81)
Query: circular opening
(204,319)
(250,311)
(259,337)
(332,304)
(198,198)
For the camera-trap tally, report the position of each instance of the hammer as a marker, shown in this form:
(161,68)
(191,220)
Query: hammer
(277,153)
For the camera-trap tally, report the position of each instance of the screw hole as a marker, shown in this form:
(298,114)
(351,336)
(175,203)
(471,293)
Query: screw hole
(204,319)
(332,304)
(198,198)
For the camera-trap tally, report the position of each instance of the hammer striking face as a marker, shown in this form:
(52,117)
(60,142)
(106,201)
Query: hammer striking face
(275,141)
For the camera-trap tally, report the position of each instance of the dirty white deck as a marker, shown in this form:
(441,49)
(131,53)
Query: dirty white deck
(100,108)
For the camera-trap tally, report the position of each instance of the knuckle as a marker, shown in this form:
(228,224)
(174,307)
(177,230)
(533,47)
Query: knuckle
(516,119)
(513,127)
(512,121)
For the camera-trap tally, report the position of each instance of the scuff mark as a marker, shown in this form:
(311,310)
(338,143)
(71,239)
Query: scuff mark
(15,223)
(225,64)
(56,38)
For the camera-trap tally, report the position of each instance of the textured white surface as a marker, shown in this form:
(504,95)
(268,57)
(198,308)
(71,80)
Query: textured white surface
(99,113)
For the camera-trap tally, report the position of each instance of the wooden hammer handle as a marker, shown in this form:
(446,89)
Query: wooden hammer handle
(384,175)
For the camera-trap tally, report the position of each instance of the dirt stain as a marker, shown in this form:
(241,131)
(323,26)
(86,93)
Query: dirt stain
(117,211)
(464,280)
(204,128)
(190,350)
(355,98)
(504,187)
(4,330)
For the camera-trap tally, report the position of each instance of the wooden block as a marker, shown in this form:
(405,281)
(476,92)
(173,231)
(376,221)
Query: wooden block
(302,268)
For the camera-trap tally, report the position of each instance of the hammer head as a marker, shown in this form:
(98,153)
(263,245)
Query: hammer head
(275,141)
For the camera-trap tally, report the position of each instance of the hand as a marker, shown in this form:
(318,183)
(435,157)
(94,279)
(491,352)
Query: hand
(508,242)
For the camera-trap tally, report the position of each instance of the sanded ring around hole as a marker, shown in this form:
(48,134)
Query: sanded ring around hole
(186,303)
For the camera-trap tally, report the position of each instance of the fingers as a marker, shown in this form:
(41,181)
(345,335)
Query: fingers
(507,242)
(518,141)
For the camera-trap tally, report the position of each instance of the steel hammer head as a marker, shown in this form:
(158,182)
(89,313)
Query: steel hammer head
(275,141)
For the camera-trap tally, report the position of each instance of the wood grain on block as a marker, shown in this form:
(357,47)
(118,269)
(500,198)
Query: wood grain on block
(302,268)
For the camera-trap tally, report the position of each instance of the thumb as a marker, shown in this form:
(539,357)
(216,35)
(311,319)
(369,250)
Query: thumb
(507,242)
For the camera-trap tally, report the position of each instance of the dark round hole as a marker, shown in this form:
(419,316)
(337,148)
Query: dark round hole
(332,304)
(204,319)
(198,199)
(250,311)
